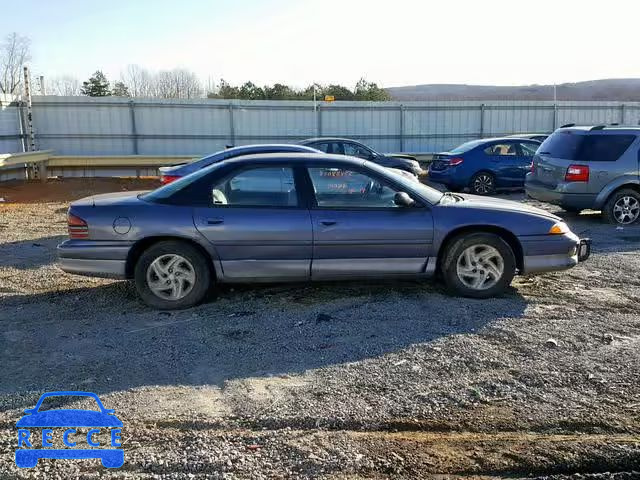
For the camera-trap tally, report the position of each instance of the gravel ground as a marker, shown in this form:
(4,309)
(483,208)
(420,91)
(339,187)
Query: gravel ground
(344,380)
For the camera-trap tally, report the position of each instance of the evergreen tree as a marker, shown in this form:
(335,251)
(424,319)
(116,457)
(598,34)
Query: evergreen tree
(120,90)
(96,86)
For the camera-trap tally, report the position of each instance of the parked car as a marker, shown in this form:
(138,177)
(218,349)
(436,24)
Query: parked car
(538,137)
(483,166)
(344,146)
(590,167)
(301,217)
(170,174)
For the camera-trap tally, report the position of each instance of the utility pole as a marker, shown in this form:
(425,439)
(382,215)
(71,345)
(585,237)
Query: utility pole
(31,144)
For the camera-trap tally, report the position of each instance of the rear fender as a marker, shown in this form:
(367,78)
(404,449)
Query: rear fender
(629,181)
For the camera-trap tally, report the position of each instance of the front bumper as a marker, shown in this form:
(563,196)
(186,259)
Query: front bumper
(552,254)
(94,258)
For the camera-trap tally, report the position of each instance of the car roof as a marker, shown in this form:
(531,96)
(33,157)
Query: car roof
(302,156)
(509,138)
(635,129)
(327,139)
(258,146)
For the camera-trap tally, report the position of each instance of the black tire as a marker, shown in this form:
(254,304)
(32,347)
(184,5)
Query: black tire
(618,199)
(483,183)
(455,250)
(192,255)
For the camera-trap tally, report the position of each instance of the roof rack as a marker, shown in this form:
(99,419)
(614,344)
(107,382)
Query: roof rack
(597,127)
(568,125)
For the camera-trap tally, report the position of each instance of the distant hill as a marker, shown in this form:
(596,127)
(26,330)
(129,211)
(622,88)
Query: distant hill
(622,89)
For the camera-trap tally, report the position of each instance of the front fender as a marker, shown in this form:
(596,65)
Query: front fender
(614,185)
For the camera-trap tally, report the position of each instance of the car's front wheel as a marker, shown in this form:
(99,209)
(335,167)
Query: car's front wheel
(171,275)
(478,265)
(623,207)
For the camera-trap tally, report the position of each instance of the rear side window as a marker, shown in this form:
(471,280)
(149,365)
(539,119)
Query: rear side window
(256,187)
(586,148)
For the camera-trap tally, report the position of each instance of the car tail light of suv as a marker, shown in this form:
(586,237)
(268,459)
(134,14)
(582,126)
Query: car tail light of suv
(577,173)
(78,228)
(165,179)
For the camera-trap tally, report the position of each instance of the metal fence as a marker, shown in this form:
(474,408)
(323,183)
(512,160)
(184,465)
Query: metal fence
(121,126)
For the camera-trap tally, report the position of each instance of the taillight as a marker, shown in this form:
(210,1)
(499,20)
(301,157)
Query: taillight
(577,173)
(78,228)
(455,161)
(164,179)
(532,167)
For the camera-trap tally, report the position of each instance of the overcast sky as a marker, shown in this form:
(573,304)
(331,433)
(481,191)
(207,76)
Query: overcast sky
(393,43)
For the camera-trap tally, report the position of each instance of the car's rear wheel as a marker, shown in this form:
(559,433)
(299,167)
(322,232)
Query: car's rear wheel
(478,265)
(623,207)
(172,275)
(483,183)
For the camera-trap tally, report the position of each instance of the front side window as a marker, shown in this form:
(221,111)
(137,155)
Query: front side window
(501,149)
(357,151)
(344,188)
(256,187)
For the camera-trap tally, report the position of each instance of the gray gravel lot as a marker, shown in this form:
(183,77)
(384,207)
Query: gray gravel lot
(341,380)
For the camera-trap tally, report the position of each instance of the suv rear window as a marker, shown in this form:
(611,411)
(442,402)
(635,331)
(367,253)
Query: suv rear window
(586,148)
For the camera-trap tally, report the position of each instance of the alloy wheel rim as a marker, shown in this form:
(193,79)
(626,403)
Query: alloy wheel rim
(483,184)
(626,210)
(171,277)
(480,267)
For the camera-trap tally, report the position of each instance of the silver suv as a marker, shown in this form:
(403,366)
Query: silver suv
(595,168)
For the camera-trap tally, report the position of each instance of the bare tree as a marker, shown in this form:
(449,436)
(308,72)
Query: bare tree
(14,53)
(64,85)
(138,81)
(177,83)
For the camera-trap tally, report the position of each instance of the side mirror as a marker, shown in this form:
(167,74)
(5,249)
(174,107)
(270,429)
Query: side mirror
(402,199)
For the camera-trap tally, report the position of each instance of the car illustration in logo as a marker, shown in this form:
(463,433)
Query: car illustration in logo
(70,419)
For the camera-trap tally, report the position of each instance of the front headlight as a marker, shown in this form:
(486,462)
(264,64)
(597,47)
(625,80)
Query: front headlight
(559,228)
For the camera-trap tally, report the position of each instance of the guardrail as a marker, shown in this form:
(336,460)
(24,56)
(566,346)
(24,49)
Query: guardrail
(44,164)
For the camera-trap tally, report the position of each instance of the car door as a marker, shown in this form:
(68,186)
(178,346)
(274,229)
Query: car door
(258,224)
(503,161)
(358,230)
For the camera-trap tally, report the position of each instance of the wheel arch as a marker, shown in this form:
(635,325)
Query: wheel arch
(141,245)
(607,192)
(503,233)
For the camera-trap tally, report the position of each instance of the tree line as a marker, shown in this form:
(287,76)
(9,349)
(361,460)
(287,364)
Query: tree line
(136,81)
(180,83)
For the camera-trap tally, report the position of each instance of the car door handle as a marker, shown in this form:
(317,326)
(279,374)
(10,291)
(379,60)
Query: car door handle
(327,223)
(215,221)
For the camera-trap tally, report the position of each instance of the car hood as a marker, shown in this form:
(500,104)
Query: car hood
(69,418)
(115,198)
(491,203)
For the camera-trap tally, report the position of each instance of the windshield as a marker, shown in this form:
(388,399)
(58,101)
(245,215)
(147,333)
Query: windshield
(465,147)
(593,147)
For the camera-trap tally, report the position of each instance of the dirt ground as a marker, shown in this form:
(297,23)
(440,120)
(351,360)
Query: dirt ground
(337,380)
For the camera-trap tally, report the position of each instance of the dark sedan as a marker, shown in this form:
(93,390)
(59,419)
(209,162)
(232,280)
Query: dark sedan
(170,174)
(345,146)
(300,217)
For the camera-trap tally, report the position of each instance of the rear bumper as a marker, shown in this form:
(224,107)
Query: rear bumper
(444,177)
(94,258)
(559,197)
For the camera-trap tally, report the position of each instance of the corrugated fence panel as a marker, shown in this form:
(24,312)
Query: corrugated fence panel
(109,125)
(9,130)
(284,122)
